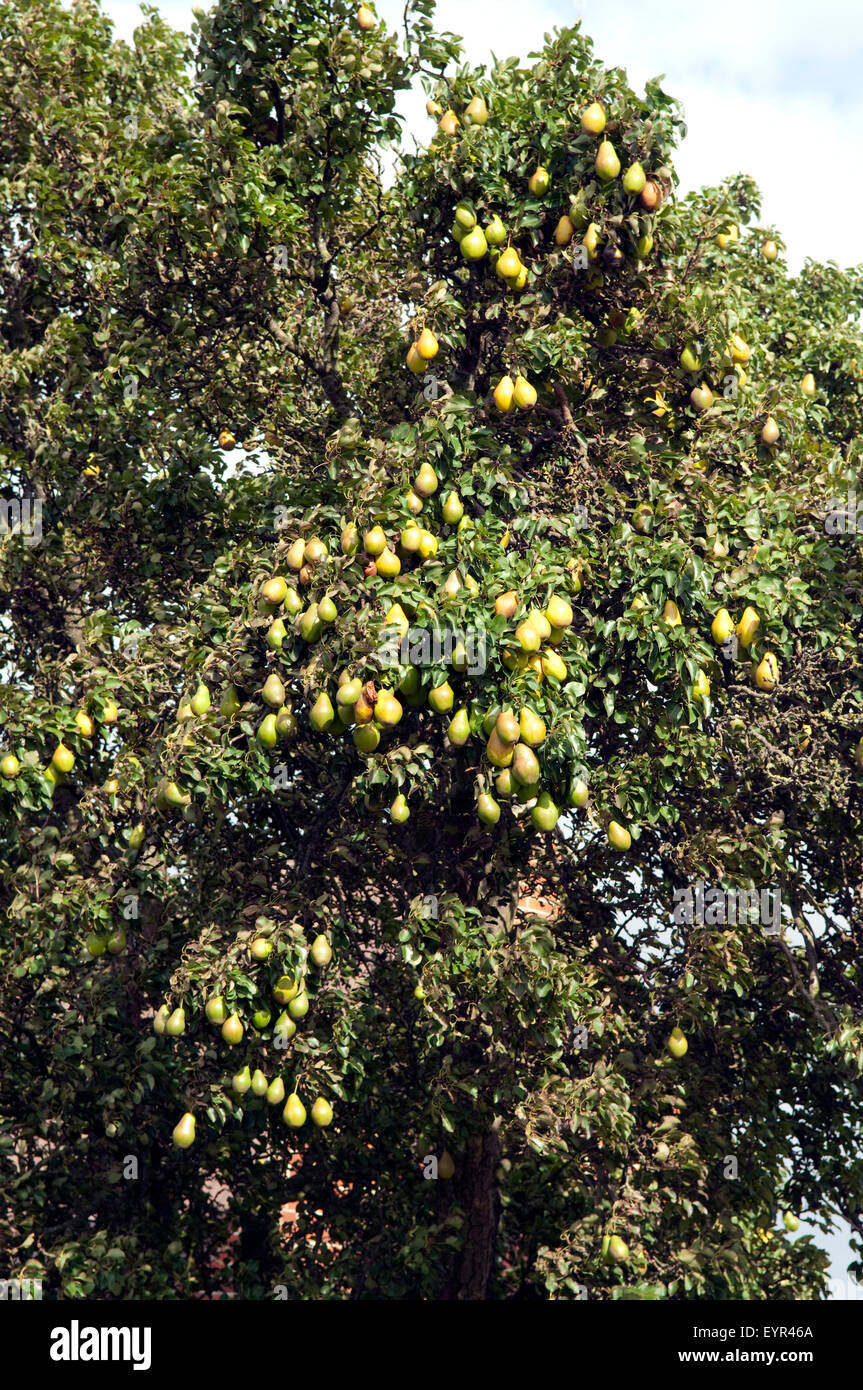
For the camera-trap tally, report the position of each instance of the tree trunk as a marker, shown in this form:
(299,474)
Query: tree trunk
(482,1208)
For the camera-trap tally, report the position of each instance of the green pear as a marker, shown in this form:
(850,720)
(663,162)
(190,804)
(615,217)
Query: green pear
(618,1250)
(487,809)
(267,733)
(10,766)
(62,759)
(261,1019)
(298,1007)
(284,1029)
(117,942)
(348,694)
(276,634)
(241,1081)
(525,765)
(95,945)
(544,814)
(634,179)
(504,784)
(400,811)
(441,698)
(509,264)
(426,480)
(259,1083)
(274,591)
(474,246)
(465,216)
(579,792)
(232,1029)
(311,624)
(275,1091)
(273,691)
(321,952)
(458,729)
(169,794)
(453,510)
(230,702)
(293,603)
(216,1009)
(607,162)
(184,1132)
(294,1113)
(350,539)
(366,738)
(163,1013)
(327,611)
(322,1113)
(286,724)
(689,358)
(322,714)
(495,232)
(200,701)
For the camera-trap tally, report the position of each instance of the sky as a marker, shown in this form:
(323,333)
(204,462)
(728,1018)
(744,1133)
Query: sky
(769,88)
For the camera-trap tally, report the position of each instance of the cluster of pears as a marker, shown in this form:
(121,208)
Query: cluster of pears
(608,166)
(476,242)
(62,760)
(475,113)
(734,359)
(765,673)
(422,351)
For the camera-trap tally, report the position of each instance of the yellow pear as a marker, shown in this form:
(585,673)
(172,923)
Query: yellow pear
(748,626)
(365,18)
(374,540)
(508,264)
(388,563)
(553,665)
(770,250)
(527,636)
(531,728)
(524,394)
(564,231)
(322,714)
(607,163)
(807,385)
(766,673)
(294,1113)
(427,345)
(506,604)
(476,111)
(770,431)
(62,759)
(498,752)
(388,711)
(593,119)
(618,836)
(296,556)
(722,626)
(539,181)
(503,394)
(415,360)
(426,481)
(671,614)
(558,612)
(274,590)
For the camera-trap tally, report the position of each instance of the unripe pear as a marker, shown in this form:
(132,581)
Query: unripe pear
(504,784)
(321,952)
(294,1113)
(322,1113)
(366,738)
(296,556)
(465,216)
(618,1250)
(286,988)
(428,544)
(184,1132)
(607,162)
(232,1029)
(453,509)
(508,264)
(241,1081)
(539,181)
(458,729)
(259,1083)
(175,1025)
(527,636)
(96,945)
(495,232)
(473,245)
(322,714)
(488,809)
(807,385)
(671,614)
(770,250)
(544,815)
(618,836)
(441,698)
(298,1007)
(267,734)
(327,611)
(579,793)
(426,480)
(415,361)
(314,551)
(163,1013)
(524,394)
(109,712)
(275,1091)
(84,724)
(273,691)
(593,119)
(216,1009)
(476,111)
(525,765)
(62,759)
(634,179)
(276,634)
(169,794)
(677,1044)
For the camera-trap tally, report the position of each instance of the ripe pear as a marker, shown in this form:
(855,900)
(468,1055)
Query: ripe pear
(540,622)
(241,1081)
(748,626)
(690,359)
(677,1044)
(458,729)
(807,385)
(701,686)
(531,728)
(275,590)
(465,216)
(770,250)
(770,431)
(294,1113)
(169,794)
(729,233)
(298,1007)
(273,691)
(286,724)
(524,394)
(163,1013)
(321,952)
(428,545)
(473,245)
(607,163)
(395,617)
(634,179)
(525,765)
(366,738)
(618,1250)
(322,1113)
(109,712)
(364,710)
(184,1132)
(388,711)
(184,711)
(259,1083)
(232,1029)
(476,111)
(322,714)
(374,540)
(504,784)
(495,232)
(136,837)
(509,264)
(527,636)
(216,1009)
(591,240)
(544,815)
(349,540)
(348,694)
(553,665)
(62,759)
(84,724)
(487,809)
(506,604)
(564,231)
(415,361)
(702,397)
(558,612)
(766,673)
(175,1024)
(453,509)
(499,753)
(593,119)
(426,481)
(722,626)
(10,766)
(388,563)
(314,551)
(650,196)
(618,836)
(427,345)
(261,948)
(507,727)
(579,793)
(296,556)
(539,181)
(503,394)
(286,988)
(327,611)
(441,698)
(275,1092)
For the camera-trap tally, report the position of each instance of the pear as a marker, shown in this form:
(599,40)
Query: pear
(364,710)
(790,1221)
(503,394)
(748,626)
(441,698)
(227,439)
(374,540)
(284,1029)
(327,611)
(459,660)
(702,397)
(349,540)
(410,683)
(525,765)
(275,1091)
(766,673)
(261,948)
(618,1250)
(495,232)
(410,538)
(428,544)
(505,605)
(400,811)
(261,1019)
(458,729)
(216,1009)
(524,394)
(349,693)
(296,556)
(690,360)
(175,1024)
(169,794)
(539,181)
(322,1113)
(365,18)
(241,1081)
(396,617)
(476,111)
(136,837)
(677,1044)
(310,624)
(618,836)
(458,233)
(487,809)
(273,691)
(109,712)
(593,119)
(504,784)
(322,714)
(163,1013)
(445,1166)
(507,727)
(388,711)
(465,216)
(722,627)
(321,952)
(426,480)
(286,988)
(267,733)
(298,1007)
(294,1113)
(453,510)
(415,361)
(644,246)
(701,686)
(558,612)
(473,245)
(62,759)
(770,431)
(607,162)
(650,196)
(184,711)
(540,622)
(449,123)
(96,945)
(274,591)
(230,702)
(544,814)
(807,385)
(232,1029)
(366,738)
(388,563)
(427,345)
(579,793)
(84,724)
(591,240)
(10,766)
(527,636)
(276,634)
(564,231)
(286,724)
(259,1083)
(509,264)
(729,233)
(770,250)
(499,754)
(314,551)
(184,1132)
(531,728)
(671,614)
(634,179)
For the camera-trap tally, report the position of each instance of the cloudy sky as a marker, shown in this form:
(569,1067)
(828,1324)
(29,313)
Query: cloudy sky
(770,88)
